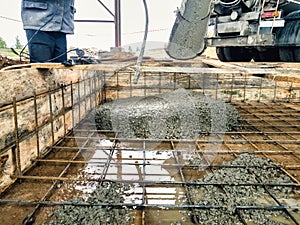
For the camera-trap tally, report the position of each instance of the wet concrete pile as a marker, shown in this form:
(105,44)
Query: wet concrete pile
(245,169)
(177,114)
(81,213)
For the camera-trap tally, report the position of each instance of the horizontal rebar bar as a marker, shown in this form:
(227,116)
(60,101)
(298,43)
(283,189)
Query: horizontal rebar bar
(156,183)
(159,164)
(138,206)
(191,140)
(227,132)
(183,150)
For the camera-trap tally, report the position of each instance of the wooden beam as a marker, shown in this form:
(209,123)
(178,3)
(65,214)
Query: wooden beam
(288,72)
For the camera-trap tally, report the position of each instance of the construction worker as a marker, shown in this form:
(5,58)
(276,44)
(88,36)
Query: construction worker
(46,23)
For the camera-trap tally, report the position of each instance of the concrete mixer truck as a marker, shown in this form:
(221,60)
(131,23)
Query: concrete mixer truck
(240,30)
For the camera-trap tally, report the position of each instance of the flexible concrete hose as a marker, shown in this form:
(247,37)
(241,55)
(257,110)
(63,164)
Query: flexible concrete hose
(140,58)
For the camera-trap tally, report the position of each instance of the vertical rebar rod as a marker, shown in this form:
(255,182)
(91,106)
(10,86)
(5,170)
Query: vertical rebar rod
(231,88)
(159,82)
(217,87)
(99,86)
(174,81)
(130,84)
(260,90)
(36,126)
(17,140)
(245,88)
(99,93)
(103,86)
(144,198)
(85,98)
(140,211)
(95,87)
(72,104)
(145,84)
(63,108)
(90,92)
(51,116)
(119,165)
(275,91)
(79,100)
(117,74)
(291,92)
(203,84)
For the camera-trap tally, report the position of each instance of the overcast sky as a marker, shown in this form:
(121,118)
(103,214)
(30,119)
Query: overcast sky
(101,36)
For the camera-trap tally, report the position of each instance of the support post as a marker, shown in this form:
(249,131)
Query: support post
(117,23)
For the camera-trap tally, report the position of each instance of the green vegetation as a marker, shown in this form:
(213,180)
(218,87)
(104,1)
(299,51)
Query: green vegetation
(129,49)
(18,44)
(2,43)
(8,52)
(5,50)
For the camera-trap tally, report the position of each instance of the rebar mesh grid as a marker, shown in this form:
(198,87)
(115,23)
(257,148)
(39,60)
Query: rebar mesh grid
(159,170)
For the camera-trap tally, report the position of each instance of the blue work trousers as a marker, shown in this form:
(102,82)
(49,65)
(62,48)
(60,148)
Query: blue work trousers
(46,46)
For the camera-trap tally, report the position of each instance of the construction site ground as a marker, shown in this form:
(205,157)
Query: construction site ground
(160,172)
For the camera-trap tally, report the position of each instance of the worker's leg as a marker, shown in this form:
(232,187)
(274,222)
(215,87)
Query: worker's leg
(40,45)
(60,49)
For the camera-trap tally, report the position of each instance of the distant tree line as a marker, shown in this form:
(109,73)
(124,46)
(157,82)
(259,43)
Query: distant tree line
(17,45)
(130,49)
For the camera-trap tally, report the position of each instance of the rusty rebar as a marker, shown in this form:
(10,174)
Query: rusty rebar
(36,119)
(16,150)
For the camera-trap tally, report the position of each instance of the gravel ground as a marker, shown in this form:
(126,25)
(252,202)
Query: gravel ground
(173,115)
(257,170)
(91,215)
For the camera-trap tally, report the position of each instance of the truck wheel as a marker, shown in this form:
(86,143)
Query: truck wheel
(288,37)
(237,54)
(289,54)
(220,54)
(286,54)
(266,55)
(297,54)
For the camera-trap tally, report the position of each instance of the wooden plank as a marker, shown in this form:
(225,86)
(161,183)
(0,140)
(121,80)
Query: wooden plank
(105,66)
(288,72)
(111,66)
(187,70)
(219,64)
